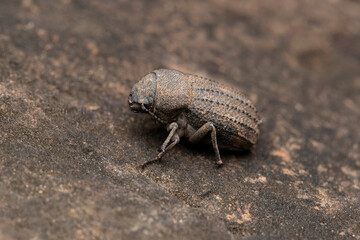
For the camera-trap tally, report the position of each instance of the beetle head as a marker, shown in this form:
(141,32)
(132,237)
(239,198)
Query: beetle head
(143,93)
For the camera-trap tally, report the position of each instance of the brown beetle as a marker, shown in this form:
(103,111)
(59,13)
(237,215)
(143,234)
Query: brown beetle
(192,106)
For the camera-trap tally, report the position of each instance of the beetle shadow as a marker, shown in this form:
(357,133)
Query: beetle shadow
(206,150)
(148,130)
(146,127)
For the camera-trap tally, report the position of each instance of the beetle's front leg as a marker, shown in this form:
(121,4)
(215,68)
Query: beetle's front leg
(201,132)
(172,128)
(173,136)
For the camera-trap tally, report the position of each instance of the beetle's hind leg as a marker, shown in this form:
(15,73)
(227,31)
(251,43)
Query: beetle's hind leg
(201,132)
(165,147)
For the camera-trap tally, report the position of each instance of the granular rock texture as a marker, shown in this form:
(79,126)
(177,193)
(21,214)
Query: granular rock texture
(70,147)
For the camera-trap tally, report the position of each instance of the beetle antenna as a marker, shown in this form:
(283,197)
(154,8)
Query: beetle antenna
(153,114)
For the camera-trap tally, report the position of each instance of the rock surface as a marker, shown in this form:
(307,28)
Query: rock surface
(70,147)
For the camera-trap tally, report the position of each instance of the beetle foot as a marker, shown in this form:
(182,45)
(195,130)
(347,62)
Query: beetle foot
(144,164)
(158,158)
(219,164)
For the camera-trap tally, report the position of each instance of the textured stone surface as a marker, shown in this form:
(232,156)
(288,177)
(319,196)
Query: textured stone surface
(70,147)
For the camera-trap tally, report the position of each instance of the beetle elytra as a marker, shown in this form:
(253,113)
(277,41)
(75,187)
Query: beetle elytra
(191,106)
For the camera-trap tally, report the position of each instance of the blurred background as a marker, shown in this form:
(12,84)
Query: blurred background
(70,147)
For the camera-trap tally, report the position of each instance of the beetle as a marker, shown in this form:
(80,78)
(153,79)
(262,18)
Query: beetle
(191,106)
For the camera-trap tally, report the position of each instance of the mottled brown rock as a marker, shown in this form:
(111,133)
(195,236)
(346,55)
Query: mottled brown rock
(70,147)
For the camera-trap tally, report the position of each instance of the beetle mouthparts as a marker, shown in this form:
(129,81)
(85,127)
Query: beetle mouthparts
(135,107)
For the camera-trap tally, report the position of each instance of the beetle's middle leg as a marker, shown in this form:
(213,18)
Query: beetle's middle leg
(201,132)
(173,137)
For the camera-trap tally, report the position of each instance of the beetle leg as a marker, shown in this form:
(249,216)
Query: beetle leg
(201,132)
(173,136)
(175,140)
(172,127)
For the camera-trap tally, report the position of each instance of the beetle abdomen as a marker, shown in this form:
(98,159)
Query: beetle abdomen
(233,115)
